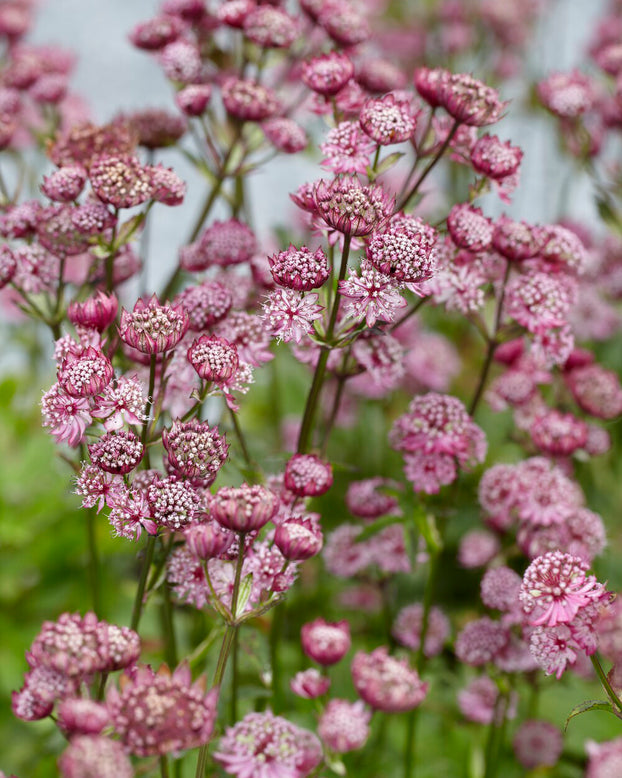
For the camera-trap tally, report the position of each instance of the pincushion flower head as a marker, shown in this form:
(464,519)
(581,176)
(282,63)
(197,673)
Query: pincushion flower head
(263,745)
(120,181)
(404,250)
(85,373)
(555,588)
(299,269)
(194,449)
(567,95)
(153,328)
(387,683)
(156,713)
(495,159)
(88,755)
(429,84)
(96,312)
(299,538)
(248,100)
(244,508)
(270,27)
(387,120)
(347,149)
(214,359)
(470,101)
(326,642)
(347,206)
(306,475)
(344,726)
(328,73)
(469,228)
(117,452)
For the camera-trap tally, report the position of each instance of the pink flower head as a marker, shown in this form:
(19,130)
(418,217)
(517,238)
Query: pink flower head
(290,315)
(43,686)
(120,180)
(328,73)
(407,629)
(538,743)
(470,101)
(386,683)
(181,61)
(173,504)
(66,416)
(347,149)
(166,186)
(370,295)
(82,716)
(309,684)
(495,159)
(567,95)
(194,449)
(558,434)
(224,243)
(64,184)
(207,540)
(206,304)
(343,22)
(539,301)
(299,269)
(377,74)
(157,129)
(270,28)
(298,538)
(306,475)
(156,33)
(477,548)
(193,99)
(234,12)
(597,391)
(285,134)
(94,755)
(326,642)
(156,713)
(214,359)
(344,726)
(248,100)
(265,745)
(151,327)
(555,588)
(515,241)
(121,402)
(477,701)
(366,500)
(480,641)
(500,588)
(97,487)
(85,373)
(96,312)
(429,82)
(244,508)
(387,120)
(562,249)
(8,265)
(469,228)
(117,452)
(404,250)
(347,206)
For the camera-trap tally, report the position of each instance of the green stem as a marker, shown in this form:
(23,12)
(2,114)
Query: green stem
(276,633)
(168,626)
(602,677)
(250,464)
(164,773)
(93,563)
(138,601)
(428,169)
(148,406)
(306,427)
(496,734)
(233,716)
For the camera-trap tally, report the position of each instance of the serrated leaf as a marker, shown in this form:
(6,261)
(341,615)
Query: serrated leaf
(378,526)
(244,594)
(588,705)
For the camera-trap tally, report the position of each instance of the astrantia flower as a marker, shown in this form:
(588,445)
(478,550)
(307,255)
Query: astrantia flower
(344,22)
(351,208)
(347,149)
(167,186)
(567,95)
(206,304)
(495,159)
(67,417)
(404,249)
(555,587)
(151,327)
(193,99)
(130,514)
(407,629)
(285,134)
(194,449)
(387,683)
(477,548)
(121,402)
(214,359)
(469,228)
(324,642)
(558,434)
(309,684)
(82,716)
(367,500)
(429,84)
(480,640)
(268,746)
(117,452)
(299,538)
(370,295)
(97,487)
(173,503)
(306,475)
(85,373)
(290,315)
(538,743)
(8,265)
(539,301)
(499,589)
(226,243)
(477,701)
(248,100)
(328,73)
(156,33)
(299,269)
(244,508)
(387,120)
(156,713)
(95,755)
(120,181)
(470,101)
(344,726)
(181,61)
(514,240)
(64,184)
(43,686)
(96,312)
(596,390)
(270,27)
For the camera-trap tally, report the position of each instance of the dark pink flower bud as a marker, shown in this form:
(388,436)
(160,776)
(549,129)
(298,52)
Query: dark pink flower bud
(244,508)
(214,358)
(270,27)
(328,73)
(248,100)
(95,313)
(325,642)
(387,120)
(429,83)
(79,716)
(85,373)
(386,683)
(299,269)
(193,99)
(469,228)
(308,476)
(234,12)
(64,184)
(310,684)
(151,327)
(515,241)
(156,33)
(298,539)
(470,101)
(495,159)
(208,540)
(117,452)
(166,186)
(194,449)
(347,206)
(344,22)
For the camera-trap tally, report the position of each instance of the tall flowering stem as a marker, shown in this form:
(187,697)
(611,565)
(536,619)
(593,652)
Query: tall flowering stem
(602,677)
(306,428)
(496,734)
(142,583)
(429,167)
(94,565)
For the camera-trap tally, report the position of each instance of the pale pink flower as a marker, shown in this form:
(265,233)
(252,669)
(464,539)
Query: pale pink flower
(290,315)
(370,295)
(347,149)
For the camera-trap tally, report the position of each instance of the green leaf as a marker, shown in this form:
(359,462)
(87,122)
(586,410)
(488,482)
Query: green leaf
(244,595)
(128,228)
(587,705)
(608,214)
(386,164)
(378,526)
